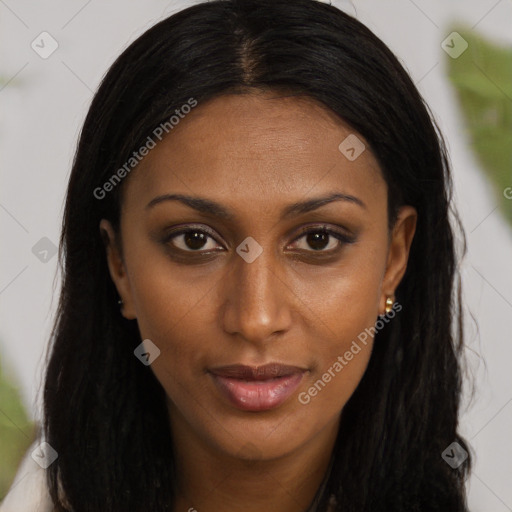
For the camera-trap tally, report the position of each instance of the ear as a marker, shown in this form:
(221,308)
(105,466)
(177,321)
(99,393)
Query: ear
(398,252)
(117,269)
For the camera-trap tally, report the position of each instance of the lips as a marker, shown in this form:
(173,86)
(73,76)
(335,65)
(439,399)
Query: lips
(257,388)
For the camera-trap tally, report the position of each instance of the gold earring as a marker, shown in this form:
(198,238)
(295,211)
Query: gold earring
(389,305)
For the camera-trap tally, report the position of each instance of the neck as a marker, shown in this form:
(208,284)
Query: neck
(209,480)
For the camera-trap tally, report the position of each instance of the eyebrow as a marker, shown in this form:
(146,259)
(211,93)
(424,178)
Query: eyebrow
(210,207)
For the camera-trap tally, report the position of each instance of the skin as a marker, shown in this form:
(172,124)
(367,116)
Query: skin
(255,154)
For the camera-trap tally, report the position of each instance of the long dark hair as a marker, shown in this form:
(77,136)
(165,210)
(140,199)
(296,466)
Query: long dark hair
(105,413)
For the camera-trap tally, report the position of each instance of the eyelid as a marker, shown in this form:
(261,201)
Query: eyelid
(190,227)
(328,229)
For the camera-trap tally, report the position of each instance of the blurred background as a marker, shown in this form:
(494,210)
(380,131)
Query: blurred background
(459,53)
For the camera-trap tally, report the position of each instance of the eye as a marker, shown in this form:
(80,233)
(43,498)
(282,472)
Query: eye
(323,239)
(320,239)
(191,239)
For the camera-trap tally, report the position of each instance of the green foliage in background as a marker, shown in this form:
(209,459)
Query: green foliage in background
(482,76)
(17,432)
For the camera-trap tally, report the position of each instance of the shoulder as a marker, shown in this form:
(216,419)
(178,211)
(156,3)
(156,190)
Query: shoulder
(28,491)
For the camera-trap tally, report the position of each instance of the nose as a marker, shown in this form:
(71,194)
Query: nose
(258,301)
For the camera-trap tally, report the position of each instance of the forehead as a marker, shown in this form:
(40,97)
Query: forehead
(255,147)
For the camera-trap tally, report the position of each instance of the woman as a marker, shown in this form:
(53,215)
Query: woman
(259,275)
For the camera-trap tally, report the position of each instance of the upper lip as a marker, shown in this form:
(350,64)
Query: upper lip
(264,372)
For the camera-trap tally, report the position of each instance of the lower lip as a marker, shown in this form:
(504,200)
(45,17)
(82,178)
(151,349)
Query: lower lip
(258,395)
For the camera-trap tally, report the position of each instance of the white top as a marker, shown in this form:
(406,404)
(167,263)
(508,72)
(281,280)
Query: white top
(28,492)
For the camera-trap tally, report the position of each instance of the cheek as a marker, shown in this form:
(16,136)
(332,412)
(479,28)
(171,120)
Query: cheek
(174,314)
(166,296)
(341,361)
(345,304)
(345,299)
(174,310)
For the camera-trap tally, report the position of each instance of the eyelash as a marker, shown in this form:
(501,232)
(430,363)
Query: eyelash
(343,238)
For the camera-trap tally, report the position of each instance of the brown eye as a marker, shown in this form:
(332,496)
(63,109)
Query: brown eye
(192,240)
(318,240)
(323,239)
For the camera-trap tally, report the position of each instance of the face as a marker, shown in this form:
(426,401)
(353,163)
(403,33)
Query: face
(255,286)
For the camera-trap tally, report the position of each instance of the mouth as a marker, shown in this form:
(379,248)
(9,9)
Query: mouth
(260,388)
